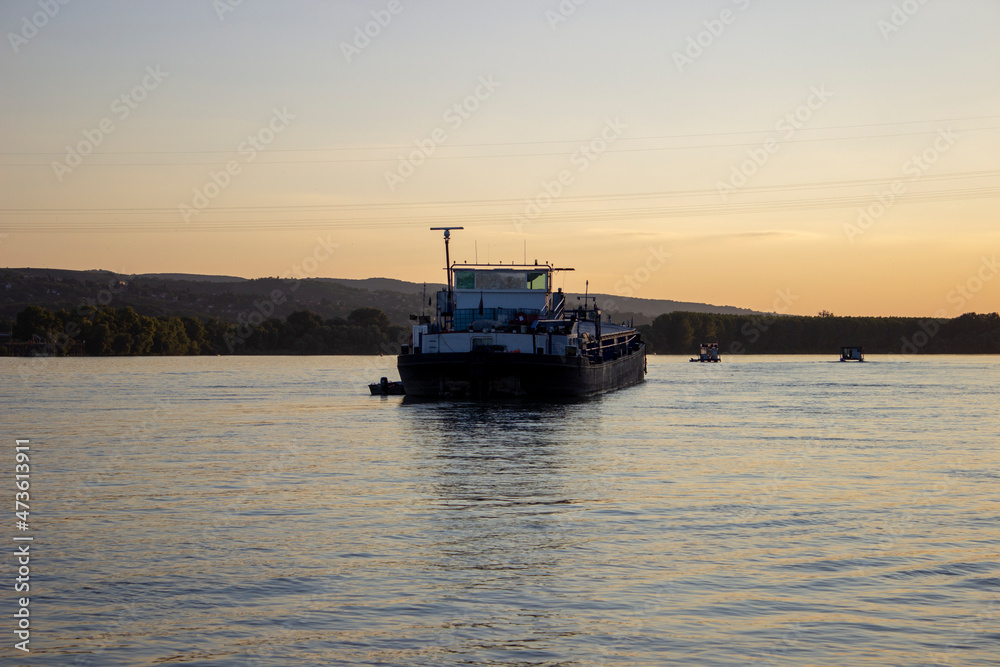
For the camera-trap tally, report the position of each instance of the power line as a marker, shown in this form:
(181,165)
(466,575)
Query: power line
(265,155)
(545,142)
(577,216)
(407,206)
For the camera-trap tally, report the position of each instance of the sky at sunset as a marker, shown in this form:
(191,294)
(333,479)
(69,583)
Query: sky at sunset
(790,156)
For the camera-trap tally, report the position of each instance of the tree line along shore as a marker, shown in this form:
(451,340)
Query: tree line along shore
(681,333)
(106,331)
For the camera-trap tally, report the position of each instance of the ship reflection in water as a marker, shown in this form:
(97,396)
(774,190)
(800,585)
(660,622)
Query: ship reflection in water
(508,541)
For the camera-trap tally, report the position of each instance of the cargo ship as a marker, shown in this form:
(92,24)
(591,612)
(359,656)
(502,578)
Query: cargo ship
(499,331)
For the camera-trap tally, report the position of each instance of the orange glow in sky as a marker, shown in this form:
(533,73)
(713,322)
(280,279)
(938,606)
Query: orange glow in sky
(726,152)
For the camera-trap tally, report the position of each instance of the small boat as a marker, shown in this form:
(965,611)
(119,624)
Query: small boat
(709,352)
(385,388)
(852,353)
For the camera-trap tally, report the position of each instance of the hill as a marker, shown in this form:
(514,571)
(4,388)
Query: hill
(194,276)
(232,299)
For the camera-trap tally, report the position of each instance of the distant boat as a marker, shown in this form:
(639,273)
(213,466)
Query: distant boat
(852,353)
(709,352)
(500,331)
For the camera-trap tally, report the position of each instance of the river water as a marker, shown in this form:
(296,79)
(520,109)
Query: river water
(266,511)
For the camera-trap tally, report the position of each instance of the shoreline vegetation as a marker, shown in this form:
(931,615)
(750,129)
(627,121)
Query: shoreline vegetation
(96,331)
(682,333)
(104,331)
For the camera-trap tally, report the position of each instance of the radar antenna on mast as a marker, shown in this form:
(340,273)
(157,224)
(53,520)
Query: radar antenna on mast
(586,298)
(447,267)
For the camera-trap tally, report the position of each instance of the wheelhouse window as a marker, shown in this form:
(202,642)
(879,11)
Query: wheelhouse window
(465,280)
(501,280)
(536,280)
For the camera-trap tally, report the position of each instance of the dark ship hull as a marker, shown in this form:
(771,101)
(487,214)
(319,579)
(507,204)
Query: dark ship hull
(489,374)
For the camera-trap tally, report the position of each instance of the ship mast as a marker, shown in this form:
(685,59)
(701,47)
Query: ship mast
(447,264)
(587,299)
